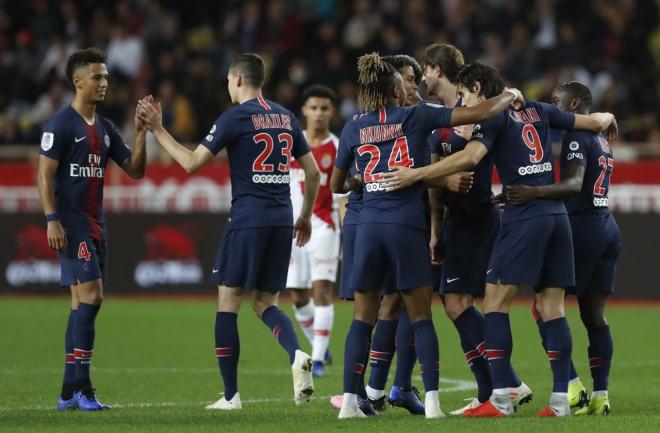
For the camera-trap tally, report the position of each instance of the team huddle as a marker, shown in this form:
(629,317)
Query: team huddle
(415,173)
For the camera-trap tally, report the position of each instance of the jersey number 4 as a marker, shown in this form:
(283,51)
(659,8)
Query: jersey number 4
(83,252)
(399,157)
(604,164)
(532,140)
(259,165)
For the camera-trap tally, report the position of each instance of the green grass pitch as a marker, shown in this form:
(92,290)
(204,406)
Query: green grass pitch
(154,363)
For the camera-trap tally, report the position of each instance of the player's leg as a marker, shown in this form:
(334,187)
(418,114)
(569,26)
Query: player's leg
(382,348)
(418,304)
(601,347)
(577,393)
(228,346)
(298,282)
(405,358)
(66,400)
(356,349)
(324,316)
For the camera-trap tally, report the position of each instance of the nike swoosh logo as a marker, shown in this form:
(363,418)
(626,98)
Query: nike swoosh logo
(79,139)
(489,271)
(451,280)
(215,271)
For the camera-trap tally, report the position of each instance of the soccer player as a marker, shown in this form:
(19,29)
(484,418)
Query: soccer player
(470,228)
(393,330)
(392,230)
(586,169)
(76,145)
(261,137)
(313,267)
(533,246)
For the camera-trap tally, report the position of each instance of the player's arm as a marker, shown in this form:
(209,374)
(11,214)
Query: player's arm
(570,185)
(302,229)
(45,172)
(488,109)
(597,122)
(136,165)
(190,160)
(464,160)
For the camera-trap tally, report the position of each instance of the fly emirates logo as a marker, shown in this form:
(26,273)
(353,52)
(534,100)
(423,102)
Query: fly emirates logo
(93,170)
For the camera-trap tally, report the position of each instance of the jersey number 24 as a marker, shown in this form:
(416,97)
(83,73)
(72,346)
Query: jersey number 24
(399,157)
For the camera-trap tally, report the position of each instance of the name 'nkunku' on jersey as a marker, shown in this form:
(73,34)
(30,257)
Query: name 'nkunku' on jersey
(82,151)
(261,138)
(593,152)
(380,141)
(520,142)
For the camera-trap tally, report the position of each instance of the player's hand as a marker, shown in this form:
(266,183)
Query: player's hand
(464,131)
(56,235)
(612,131)
(518,194)
(434,249)
(459,182)
(302,231)
(398,178)
(519,101)
(150,112)
(499,200)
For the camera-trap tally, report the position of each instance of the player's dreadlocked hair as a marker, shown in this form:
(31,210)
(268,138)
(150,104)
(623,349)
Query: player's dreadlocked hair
(375,80)
(490,80)
(402,60)
(578,90)
(83,58)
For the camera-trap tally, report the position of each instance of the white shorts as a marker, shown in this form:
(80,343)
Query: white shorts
(315,261)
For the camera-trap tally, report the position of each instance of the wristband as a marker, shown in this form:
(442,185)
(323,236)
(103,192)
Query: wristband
(52,217)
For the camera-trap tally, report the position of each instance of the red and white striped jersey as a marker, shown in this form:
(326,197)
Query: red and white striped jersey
(324,208)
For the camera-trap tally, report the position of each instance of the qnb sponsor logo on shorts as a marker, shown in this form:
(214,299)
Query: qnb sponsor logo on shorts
(601,202)
(534,168)
(271,178)
(77,170)
(374,187)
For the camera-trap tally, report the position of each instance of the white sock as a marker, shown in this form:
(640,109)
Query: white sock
(559,403)
(323,318)
(501,399)
(599,394)
(305,318)
(574,381)
(374,394)
(432,404)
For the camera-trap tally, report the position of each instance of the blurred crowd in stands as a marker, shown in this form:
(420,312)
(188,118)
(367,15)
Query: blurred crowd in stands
(180,50)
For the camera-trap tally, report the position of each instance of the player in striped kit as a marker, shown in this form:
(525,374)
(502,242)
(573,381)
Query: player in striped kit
(313,267)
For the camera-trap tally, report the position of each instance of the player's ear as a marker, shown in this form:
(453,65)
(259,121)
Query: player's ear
(239,80)
(476,89)
(575,103)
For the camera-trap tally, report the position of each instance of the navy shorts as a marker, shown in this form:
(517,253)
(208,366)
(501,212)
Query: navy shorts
(535,252)
(596,245)
(254,258)
(82,260)
(390,257)
(347,245)
(468,244)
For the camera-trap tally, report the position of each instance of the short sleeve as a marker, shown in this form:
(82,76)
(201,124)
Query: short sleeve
(221,133)
(118,150)
(486,132)
(300,146)
(435,115)
(574,150)
(435,143)
(345,157)
(558,119)
(52,140)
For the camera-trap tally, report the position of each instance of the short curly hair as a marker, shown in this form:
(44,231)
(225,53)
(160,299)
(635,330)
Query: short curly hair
(83,57)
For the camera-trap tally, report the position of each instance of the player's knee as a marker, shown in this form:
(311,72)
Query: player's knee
(94,298)
(454,310)
(300,297)
(259,306)
(420,314)
(593,319)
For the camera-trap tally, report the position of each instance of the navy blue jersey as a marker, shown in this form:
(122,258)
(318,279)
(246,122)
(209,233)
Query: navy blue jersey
(380,141)
(522,149)
(445,142)
(593,152)
(82,151)
(261,137)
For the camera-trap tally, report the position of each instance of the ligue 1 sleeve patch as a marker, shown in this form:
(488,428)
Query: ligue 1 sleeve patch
(47,140)
(106,140)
